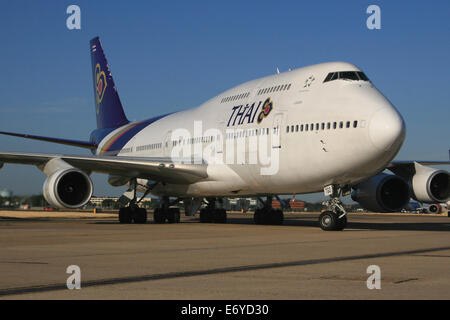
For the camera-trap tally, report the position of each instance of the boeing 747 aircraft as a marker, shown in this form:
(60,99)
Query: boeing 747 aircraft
(322,127)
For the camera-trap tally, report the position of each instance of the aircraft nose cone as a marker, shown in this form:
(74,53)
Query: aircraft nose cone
(386,128)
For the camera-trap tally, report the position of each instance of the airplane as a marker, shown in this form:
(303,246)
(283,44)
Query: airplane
(323,127)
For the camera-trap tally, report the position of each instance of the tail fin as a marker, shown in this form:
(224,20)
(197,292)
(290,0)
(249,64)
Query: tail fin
(108,108)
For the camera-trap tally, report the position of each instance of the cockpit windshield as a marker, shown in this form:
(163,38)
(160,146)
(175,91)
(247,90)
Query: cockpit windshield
(347,75)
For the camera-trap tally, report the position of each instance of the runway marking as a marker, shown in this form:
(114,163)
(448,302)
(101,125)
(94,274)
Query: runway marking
(172,275)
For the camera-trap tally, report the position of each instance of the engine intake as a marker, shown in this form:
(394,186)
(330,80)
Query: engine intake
(382,193)
(430,185)
(68,188)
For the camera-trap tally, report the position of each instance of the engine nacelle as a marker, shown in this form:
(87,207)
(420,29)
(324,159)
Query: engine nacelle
(382,193)
(430,185)
(68,188)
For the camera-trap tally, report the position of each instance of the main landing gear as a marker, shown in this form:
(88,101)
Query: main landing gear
(334,218)
(213,214)
(132,212)
(166,213)
(268,215)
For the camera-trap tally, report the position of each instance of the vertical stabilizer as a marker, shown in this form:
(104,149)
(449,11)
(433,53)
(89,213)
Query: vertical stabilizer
(108,108)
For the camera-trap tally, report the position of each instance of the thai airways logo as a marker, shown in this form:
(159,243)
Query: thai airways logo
(100,83)
(246,114)
(266,108)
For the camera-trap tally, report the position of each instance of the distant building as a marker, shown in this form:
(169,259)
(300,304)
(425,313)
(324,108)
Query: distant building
(98,201)
(238,204)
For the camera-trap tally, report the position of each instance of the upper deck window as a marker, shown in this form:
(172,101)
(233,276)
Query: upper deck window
(346,75)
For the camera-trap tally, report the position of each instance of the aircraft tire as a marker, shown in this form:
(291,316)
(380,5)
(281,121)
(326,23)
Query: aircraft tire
(329,221)
(220,216)
(158,216)
(173,215)
(125,215)
(140,215)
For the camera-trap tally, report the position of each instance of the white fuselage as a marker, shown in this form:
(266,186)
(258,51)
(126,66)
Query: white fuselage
(307,160)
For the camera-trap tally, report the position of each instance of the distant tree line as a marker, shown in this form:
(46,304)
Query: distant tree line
(36,200)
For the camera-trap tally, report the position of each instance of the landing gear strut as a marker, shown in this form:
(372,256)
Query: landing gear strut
(335,216)
(213,214)
(132,212)
(268,215)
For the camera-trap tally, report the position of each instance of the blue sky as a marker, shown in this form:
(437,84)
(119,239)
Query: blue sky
(171,55)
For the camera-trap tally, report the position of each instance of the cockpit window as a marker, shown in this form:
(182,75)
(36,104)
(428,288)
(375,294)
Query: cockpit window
(346,75)
(362,76)
(329,76)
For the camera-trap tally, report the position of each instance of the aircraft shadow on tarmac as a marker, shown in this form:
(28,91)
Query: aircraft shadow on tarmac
(311,221)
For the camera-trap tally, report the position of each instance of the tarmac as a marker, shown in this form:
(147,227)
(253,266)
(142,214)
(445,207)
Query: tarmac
(236,260)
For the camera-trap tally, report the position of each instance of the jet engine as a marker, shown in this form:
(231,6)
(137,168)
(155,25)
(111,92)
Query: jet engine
(430,185)
(382,193)
(435,208)
(68,188)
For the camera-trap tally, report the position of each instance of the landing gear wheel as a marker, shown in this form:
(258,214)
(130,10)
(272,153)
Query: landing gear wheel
(258,216)
(158,216)
(220,216)
(342,223)
(276,217)
(125,215)
(329,221)
(173,216)
(140,215)
(205,215)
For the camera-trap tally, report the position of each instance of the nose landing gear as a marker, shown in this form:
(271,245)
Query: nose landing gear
(335,216)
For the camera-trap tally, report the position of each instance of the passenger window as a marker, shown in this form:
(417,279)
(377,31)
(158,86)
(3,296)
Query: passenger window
(328,125)
(347,124)
(306,127)
(334,125)
(355,124)
(323,125)
(341,125)
(301,127)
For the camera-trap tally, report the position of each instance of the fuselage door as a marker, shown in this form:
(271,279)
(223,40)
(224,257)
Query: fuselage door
(167,144)
(276,129)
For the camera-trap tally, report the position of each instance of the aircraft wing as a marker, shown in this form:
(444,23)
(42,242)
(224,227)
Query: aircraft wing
(425,163)
(407,168)
(157,169)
